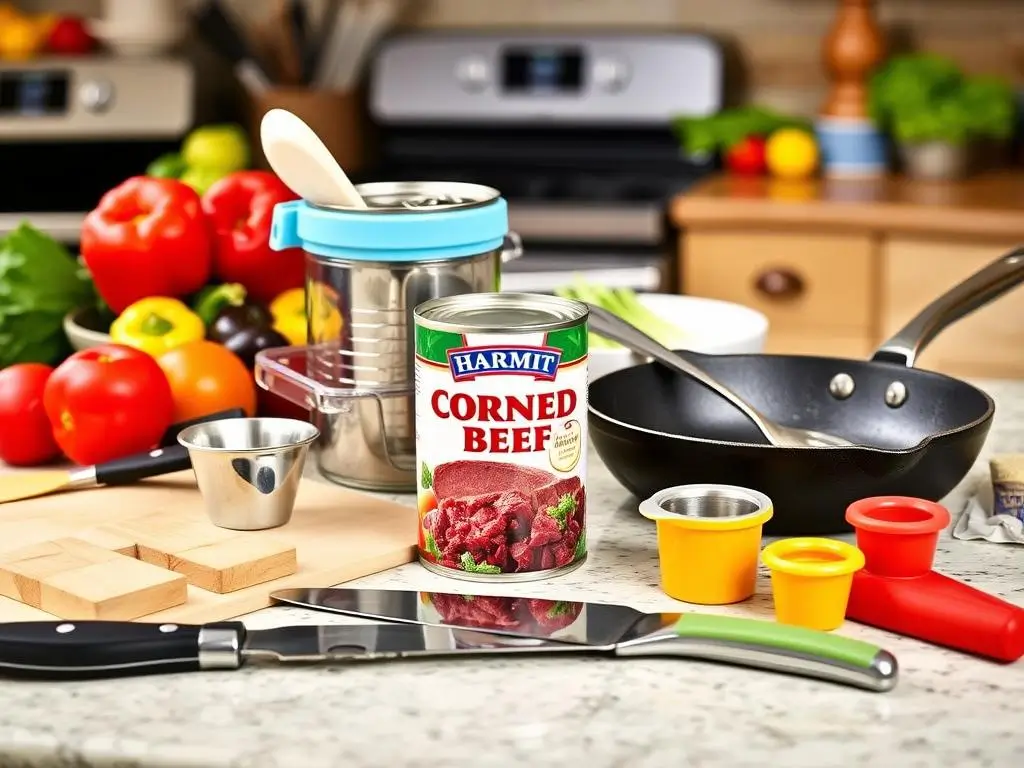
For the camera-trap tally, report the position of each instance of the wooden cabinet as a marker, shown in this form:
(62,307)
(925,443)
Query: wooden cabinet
(813,302)
(838,267)
(988,342)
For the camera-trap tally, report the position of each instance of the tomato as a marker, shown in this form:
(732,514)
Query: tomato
(25,435)
(107,402)
(748,157)
(206,377)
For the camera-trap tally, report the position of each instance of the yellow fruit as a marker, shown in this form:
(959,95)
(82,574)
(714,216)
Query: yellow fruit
(791,154)
(19,39)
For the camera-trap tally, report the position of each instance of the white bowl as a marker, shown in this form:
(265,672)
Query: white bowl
(710,326)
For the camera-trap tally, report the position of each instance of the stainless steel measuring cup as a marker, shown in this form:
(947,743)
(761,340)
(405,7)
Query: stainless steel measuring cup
(248,470)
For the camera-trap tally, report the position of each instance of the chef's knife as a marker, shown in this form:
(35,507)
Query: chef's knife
(91,649)
(601,626)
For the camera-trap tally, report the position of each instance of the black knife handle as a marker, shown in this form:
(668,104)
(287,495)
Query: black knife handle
(139,466)
(79,650)
(171,435)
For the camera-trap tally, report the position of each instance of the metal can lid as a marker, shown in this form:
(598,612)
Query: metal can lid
(500,313)
(419,197)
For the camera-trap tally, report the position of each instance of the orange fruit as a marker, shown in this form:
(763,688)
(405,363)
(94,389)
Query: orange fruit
(206,377)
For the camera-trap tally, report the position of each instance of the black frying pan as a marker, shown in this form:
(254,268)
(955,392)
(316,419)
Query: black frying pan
(917,432)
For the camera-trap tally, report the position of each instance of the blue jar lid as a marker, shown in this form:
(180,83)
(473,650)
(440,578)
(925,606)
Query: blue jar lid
(404,221)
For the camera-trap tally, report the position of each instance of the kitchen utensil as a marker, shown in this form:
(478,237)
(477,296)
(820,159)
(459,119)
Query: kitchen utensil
(337,534)
(709,537)
(315,48)
(298,24)
(55,650)
(222,34)
(615,328)
(337,26)
(130,469)
(706,325)
(248,470)
(168,457)
(919,432)
(811,580)
(897,590)
(304,164)
(289,39)
(365,272)
(376,17)
(592,624)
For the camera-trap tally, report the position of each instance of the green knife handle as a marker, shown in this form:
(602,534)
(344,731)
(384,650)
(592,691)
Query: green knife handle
(771,646)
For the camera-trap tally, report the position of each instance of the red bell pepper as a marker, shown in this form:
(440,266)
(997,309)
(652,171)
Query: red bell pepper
(240,208)
(147,237)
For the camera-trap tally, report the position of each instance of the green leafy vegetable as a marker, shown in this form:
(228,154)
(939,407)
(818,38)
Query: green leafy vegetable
(721,131)
(426,476)
(470,565)
(581,546)
(40,282)
(431,544)
(563,510)
(924,97)
(626,304)
(561,608)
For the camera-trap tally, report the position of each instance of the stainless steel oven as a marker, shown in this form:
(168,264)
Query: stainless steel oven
(71,129)
(574,129)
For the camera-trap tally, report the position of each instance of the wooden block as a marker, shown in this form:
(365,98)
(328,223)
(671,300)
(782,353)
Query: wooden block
(209,557)
(111,539)
(74,579)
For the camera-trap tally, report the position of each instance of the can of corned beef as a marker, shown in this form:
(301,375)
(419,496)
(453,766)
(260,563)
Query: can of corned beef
(501,435)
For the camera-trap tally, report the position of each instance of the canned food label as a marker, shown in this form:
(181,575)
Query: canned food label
(501,442)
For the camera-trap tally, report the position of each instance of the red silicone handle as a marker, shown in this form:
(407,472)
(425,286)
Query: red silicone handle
(940,610)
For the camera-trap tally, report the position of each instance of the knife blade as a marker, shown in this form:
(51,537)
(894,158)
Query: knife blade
(55,650)
(727,639)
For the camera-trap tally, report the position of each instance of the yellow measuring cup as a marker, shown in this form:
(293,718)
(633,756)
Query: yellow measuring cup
(811,580)
(709,537)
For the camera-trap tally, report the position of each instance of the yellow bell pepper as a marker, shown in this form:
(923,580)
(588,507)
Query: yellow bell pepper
(289,311)
(325,320)
(156,324)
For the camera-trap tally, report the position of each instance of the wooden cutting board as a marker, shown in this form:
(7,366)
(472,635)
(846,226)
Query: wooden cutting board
(148,552)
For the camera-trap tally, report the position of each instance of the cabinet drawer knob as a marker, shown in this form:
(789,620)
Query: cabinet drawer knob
(780,284)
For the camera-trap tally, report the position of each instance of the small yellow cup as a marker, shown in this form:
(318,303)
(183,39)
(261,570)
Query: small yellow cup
(811,580)
(709,537)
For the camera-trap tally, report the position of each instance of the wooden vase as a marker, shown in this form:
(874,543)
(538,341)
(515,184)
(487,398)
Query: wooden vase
(853,47)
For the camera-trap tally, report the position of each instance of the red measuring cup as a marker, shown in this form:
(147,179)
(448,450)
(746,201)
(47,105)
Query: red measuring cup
(897,589)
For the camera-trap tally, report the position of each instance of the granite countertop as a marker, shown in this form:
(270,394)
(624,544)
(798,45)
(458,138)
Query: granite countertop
(949,709)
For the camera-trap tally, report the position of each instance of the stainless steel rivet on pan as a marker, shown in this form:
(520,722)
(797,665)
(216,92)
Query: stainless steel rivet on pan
(65,628)
(896,394)
(166,628)
(841,386)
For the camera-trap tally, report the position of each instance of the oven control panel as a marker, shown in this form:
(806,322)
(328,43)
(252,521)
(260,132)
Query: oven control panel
(508,79)
(94,98)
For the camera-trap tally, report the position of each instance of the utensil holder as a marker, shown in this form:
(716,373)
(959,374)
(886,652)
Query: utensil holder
(338,118)
(897,590)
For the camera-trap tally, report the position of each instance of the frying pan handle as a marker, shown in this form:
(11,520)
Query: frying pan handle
(989,284)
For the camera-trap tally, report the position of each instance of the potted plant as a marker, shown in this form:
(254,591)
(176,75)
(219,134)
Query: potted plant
(938,117)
